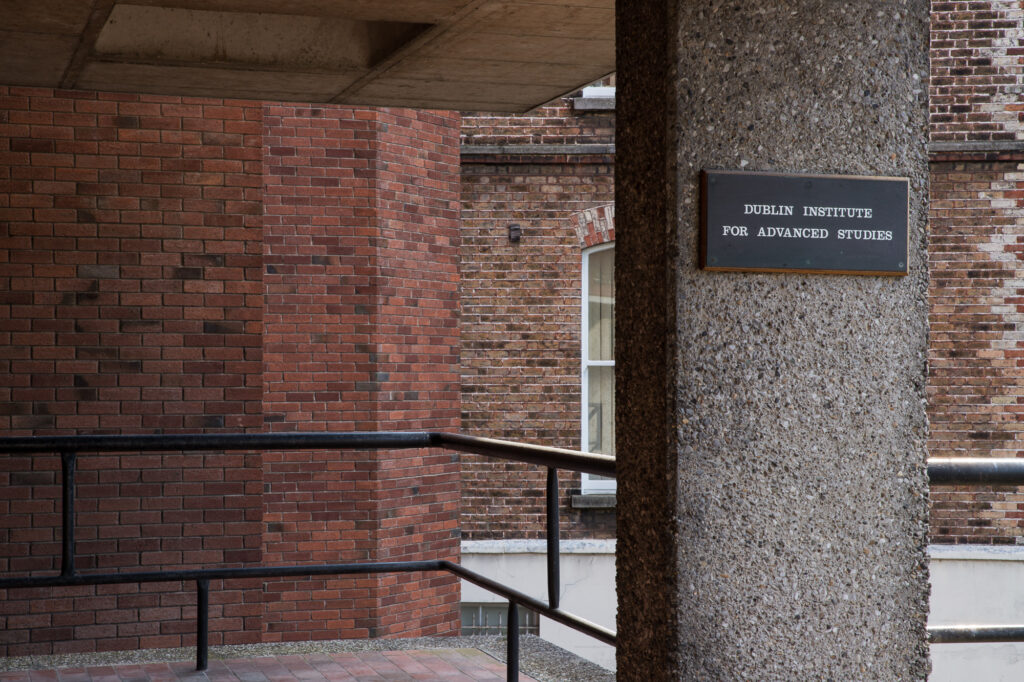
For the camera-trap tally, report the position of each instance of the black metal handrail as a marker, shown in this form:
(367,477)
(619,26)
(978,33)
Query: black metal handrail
(941,471)
(553,458)
(967,634)
(975,471)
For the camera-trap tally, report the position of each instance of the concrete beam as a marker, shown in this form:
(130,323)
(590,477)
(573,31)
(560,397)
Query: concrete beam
(448,54)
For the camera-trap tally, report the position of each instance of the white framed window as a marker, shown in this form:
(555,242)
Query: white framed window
(492,619)
(598,361)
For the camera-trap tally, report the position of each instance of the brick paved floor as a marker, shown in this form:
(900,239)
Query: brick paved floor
(417,664)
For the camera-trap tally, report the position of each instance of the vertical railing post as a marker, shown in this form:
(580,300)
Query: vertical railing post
(553,558)
(67,469)
(202,623)
(512,652)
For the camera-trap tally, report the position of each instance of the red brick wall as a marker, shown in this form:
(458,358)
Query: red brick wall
(977,215)
(130,286)
(976,358)
(131,245)
(418,371)
(554,123)
(521,311)
(976,77)
(133,298)
(361,334)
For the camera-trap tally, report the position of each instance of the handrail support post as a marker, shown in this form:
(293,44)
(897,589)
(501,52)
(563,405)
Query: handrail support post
(512,639)
(553,557)
(202,623)
(67,470)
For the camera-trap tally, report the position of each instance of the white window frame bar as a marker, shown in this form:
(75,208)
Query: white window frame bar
(589,485)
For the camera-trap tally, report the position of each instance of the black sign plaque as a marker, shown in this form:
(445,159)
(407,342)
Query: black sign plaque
(838,224)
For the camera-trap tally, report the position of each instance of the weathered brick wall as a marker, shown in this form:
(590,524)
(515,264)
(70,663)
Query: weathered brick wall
(976,245)
(418,371)
(361,334)
(521,309)
(554,123)
(130,301)
(133,299)
(977,76)
(977,341)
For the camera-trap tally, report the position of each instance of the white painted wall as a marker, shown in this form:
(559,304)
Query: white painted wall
(976,584)
(980,585)
(588,585)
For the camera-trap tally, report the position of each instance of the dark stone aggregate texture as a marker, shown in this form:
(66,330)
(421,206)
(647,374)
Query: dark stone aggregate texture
(645,203)
(801,427)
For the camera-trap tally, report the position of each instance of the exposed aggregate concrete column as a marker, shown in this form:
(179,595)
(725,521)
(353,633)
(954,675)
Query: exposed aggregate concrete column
(772,495)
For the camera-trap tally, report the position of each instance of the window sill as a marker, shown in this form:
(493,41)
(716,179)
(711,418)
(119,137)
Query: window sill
(602,501)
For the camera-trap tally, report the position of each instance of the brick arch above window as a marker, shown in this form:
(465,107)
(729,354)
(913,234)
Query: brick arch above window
(594,225)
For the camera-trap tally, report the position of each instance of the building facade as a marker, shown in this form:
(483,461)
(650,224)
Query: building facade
(180,264)
(976,372)
(537,242)
(521,297)
(156,250)
(976,378)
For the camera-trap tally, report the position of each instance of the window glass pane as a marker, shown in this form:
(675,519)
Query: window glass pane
(598,372)
(601,305)
(490,619)
(601,409)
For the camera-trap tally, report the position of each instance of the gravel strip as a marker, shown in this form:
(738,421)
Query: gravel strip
(537,658)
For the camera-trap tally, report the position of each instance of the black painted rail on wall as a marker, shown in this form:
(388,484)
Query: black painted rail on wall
(958,471)
(553,458)
(975,471)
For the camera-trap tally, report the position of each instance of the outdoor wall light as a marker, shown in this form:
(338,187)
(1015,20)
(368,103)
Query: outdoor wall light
(515,233)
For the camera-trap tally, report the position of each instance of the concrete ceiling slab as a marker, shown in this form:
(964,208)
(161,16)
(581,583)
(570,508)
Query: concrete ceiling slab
(503,55)
(45,16)
(411,11)
(506,73)
(529,49)
(211,82)
(26,57)
(554,20)
(171,35)
(498,96)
